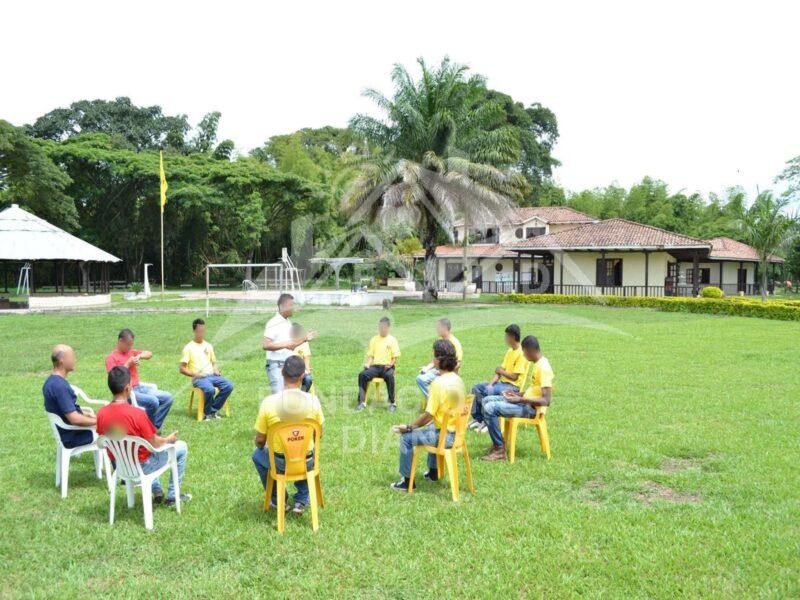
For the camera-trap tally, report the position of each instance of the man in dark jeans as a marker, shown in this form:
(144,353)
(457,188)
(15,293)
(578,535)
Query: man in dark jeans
(61,400)
(382,354)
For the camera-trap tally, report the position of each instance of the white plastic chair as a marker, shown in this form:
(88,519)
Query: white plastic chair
(85,399)
(133,394)
(125,450)
(63,455)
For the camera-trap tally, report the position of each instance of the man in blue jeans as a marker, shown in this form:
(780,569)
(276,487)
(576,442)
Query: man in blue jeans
(155,402)
(199,362)
(289,405)
(445,398)
(537,390)
(507,378)
(120,418)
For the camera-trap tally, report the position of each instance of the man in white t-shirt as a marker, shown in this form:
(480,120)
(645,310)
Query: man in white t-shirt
(278,341)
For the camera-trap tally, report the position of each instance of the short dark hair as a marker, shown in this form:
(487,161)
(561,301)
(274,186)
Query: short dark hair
(118,378)
(125,334)
(531,343)
(445,322)
(386,320)
(197,322)
(293,368)
(284,298)
(445,353)
(514,331)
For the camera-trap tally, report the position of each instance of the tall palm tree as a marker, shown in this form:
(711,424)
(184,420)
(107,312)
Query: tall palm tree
(443,150)
(766,227)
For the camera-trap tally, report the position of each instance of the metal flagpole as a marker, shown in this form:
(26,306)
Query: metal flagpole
(162,251)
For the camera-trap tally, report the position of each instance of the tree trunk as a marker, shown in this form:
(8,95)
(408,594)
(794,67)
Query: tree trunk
(764,280)
(466,258)
(429,292)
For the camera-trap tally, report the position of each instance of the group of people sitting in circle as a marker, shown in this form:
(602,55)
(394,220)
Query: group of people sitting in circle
(523,381)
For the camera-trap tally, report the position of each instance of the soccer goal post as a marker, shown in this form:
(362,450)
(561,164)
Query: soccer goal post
(262,276)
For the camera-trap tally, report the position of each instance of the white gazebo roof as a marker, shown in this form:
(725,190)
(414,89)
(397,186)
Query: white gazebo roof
(24,236)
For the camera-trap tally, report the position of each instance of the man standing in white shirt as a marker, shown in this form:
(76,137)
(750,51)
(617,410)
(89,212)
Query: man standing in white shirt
(278,341)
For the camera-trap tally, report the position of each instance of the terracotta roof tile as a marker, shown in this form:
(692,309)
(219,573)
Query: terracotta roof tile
(727,248)
(612,233)
(475,251)
(550,214)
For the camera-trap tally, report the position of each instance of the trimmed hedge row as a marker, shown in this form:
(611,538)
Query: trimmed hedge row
(740,307)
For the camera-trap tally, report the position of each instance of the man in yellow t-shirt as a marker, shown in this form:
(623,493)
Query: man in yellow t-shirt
(289,405)
(507,377)
(382,354)
(446,400)
(199,363)
(304,352)
(537,390)
(428,373)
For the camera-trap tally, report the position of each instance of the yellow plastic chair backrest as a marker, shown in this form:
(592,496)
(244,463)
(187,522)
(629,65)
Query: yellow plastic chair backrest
(293,440)
(458,416)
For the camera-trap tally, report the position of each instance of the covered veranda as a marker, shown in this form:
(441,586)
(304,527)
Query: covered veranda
(43,266)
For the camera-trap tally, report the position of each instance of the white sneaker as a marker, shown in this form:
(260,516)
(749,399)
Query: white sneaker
(483,428)
(474,425)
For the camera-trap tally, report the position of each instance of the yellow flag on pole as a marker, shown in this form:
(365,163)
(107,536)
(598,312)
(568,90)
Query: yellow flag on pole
(163,181)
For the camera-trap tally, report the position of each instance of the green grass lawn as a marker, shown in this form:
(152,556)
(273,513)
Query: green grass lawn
(674,469)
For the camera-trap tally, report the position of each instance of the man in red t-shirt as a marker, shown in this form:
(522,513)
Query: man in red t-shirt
(154,401)
(120,418)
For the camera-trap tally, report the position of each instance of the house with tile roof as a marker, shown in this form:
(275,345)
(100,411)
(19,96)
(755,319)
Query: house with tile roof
(560,250)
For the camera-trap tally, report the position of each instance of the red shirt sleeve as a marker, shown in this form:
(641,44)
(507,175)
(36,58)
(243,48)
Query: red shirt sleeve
(144,427)
(110,362)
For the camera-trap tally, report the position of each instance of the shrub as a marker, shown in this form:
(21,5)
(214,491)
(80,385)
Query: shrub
(712,291)
(741,307)
(137,287)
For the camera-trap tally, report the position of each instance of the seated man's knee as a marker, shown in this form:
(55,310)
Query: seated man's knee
(477,388)
(490,408)
(181,448)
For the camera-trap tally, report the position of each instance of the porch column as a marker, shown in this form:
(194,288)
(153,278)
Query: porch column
(646,272)
(739,287)
(721,263)
(517,274)
(696,273)
(603,271)
(561,273)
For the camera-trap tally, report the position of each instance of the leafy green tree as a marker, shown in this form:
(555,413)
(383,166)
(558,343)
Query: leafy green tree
(141,128)
(206,133)
(767,227)
(791,176)
(434,133)
(29,178)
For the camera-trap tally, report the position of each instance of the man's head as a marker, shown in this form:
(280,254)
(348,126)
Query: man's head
(286,305)
(125,340)
(199,329)
(443,327)
(293,370)
(383,326)
(531,349)
(444,355)
(119,382)
(512,335)
(297,331)
(63,358)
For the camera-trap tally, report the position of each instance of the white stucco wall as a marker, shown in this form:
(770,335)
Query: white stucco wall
(580,268)
(55,301)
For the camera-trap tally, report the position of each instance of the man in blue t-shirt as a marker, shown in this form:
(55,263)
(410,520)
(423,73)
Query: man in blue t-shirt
(60,399)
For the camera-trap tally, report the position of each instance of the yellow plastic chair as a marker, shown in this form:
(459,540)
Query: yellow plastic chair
(293,441)
(201,402)
(449,456)
(509,425)
(374,387)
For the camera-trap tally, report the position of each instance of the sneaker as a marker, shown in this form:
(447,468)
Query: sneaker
(400,486)
(361,406)
(392,407)
(170,502)
(496,453)
(482,428)
(432,475)
(299,508)
(474,425)
(211,417)
(158,498)
(286,506)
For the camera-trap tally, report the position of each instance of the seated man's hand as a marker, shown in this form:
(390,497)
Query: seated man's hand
(146,355)
(311,335)
(217,372)
(498,371)
(172,437)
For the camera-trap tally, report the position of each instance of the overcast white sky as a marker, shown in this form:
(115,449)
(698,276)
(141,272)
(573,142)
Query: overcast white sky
(704,95)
